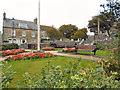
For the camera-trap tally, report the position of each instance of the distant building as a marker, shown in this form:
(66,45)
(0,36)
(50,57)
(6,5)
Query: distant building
(21,31)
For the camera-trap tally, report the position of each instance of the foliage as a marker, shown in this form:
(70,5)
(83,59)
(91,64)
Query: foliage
(112,45)
(28,56)
(70,77)
(68,30)
(10,46)
(104,23)
(53,34)
(6,76)
(111,10)
(112,63)
(34,66)
(48,48)
(5,41)
(80,34)
(11,52)
(107,17)
(66,50)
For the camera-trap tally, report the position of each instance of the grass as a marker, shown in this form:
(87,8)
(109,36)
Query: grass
(100,53)
(58,48)
(34,66)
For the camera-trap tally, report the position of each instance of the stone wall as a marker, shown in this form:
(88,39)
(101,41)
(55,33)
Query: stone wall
(28,37)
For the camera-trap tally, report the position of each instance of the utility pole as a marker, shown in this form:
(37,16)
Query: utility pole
(38,22)
(98,25)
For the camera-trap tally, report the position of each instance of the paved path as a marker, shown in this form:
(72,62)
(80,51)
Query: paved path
(75,56)
(92,58)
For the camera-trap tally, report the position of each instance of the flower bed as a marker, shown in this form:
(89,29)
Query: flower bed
(28,56)
(12,52)
(68,50)
(48,48)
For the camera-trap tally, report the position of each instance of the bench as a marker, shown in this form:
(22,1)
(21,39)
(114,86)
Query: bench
(90,48)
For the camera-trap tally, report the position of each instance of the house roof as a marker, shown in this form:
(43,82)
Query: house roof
(22,24)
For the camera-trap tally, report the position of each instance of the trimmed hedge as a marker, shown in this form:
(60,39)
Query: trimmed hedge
(10,46)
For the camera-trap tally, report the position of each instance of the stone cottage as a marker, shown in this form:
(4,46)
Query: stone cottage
(21,31)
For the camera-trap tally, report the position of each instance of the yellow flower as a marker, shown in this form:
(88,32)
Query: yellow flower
(57,66)
(98,61)
(80,56)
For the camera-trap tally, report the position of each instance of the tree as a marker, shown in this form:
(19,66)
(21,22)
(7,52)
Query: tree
(104,23)
(111,10)
(54,34)
(81,34)
(107,17)
(68,30)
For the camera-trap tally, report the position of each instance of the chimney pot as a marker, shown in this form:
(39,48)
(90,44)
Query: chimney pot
(35,20)
(4,16)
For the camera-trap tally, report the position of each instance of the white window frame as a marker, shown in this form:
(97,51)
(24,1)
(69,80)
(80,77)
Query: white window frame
(13,32)
(33,33)
(23,25)
(23,33)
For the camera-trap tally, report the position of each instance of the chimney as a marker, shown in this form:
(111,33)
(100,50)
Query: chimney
(4,16)
(35,20)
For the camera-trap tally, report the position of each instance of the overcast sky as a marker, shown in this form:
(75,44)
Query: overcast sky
(52,12)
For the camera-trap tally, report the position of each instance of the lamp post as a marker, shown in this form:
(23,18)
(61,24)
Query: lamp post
(13,29)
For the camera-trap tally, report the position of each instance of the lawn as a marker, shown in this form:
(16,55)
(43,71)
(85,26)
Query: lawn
(34,66)
(100,53)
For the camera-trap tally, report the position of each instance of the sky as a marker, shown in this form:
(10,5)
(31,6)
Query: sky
(52,12)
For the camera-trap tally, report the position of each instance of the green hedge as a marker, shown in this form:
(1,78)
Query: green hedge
(10,46)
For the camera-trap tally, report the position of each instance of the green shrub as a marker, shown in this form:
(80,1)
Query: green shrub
(112,61)
(70,77)
(5,41)
(10,46)
(6,76)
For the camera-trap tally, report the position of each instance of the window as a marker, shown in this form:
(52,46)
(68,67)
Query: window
(33,34)
(33,41)
(13,33)
(23,25)
(23,33)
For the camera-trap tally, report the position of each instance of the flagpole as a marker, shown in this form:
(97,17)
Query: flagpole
(39,39)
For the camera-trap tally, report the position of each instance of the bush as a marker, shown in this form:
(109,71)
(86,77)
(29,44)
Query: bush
(10,46)
(70,77)
(6,77)
(112,61)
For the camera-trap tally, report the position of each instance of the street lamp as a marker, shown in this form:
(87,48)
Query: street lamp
(13,29)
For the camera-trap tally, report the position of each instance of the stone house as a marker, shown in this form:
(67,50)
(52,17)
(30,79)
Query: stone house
(21,31)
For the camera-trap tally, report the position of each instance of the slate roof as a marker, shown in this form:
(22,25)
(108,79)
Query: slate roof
(8,23)
(22,24)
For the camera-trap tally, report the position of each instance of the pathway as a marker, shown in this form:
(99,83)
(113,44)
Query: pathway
(92,58)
